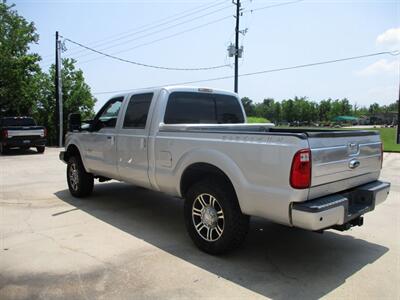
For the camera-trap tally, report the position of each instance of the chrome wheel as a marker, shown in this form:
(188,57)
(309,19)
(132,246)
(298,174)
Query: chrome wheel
(208,217)
(74,176)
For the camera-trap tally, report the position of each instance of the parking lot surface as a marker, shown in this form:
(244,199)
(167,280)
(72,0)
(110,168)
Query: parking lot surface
(125,242)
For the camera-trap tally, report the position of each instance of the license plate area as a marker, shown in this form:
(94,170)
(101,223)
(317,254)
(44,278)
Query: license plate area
(26,141)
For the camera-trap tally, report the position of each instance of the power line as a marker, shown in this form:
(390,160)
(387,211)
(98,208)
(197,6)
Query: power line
(165,23)
(162,38)
(194,11)
(191,29)
(157,31)
(146,65)
(152,41)
(393,53)
(149,26)
(275,5)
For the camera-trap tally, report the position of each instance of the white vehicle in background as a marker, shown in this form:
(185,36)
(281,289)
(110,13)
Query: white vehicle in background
(194,143)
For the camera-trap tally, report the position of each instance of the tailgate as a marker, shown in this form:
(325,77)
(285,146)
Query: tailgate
(343,159)
(32,131)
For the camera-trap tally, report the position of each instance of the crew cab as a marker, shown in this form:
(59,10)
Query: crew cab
(194,143)
(21,132)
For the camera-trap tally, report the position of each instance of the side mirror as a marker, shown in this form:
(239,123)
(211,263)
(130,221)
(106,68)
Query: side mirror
(87,125)
(74,122)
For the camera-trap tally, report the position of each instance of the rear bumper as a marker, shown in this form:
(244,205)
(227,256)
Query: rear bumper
(339,209)
(24,142)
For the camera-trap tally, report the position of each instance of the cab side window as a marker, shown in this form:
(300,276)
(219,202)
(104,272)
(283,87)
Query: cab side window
(137,111)
(192,108)
(108,116)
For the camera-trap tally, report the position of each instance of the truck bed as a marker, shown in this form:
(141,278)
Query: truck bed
(331,151)
(265,128)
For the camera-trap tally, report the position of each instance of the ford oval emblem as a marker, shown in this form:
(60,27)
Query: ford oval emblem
(352,147)
(354,163)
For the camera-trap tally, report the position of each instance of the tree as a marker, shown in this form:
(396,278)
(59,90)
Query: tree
(374,108)
(24,88)
(288,112)
(393,106)
(18,68)
(269,108)
(304,111)
(345,107)
(77,97)
(248,106)
(277,112)
(324,110)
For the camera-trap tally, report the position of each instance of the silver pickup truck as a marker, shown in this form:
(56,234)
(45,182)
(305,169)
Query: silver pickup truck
(194,143)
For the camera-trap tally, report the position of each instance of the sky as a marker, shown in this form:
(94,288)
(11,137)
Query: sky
(196,34)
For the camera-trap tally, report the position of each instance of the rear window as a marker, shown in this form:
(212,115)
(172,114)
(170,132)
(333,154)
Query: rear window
(18,122)
(195,108)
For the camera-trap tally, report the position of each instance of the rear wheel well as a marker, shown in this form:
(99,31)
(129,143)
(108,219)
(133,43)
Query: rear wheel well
(199,171)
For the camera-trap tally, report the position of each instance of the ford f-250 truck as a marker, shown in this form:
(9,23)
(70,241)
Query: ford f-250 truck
(194,143)
(21,132)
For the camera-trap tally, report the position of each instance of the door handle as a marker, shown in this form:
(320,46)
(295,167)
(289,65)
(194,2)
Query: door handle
(111,139)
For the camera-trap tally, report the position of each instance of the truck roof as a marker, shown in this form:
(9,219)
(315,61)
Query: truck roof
(178,88)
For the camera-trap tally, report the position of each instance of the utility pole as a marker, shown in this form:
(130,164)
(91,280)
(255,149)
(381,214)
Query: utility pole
(237,45)
(58,86)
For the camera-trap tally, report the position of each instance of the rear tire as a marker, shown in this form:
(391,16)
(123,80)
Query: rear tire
(3,149)
(80,182)
(213,217)
(40,149)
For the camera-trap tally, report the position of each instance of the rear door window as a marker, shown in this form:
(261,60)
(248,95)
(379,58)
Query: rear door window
(137,111)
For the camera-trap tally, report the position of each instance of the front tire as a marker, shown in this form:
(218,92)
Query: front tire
(213,217)
(80,182)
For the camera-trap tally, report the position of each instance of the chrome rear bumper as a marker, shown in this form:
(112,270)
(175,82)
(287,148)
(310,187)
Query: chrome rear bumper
(339,209)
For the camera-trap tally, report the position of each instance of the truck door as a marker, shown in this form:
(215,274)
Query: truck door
(132,142)
(100,142)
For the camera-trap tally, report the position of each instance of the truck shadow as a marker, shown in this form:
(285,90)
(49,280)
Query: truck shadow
(17,152)
(275,261)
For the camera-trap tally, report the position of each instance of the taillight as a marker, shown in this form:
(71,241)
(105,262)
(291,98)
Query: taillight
(5,133)
(381,154)
(300,173)
(44,134)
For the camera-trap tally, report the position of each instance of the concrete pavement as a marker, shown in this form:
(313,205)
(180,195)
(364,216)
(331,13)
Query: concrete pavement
(125,242)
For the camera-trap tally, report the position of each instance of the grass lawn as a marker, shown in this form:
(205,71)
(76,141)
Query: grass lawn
(256,120)
(388,136)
